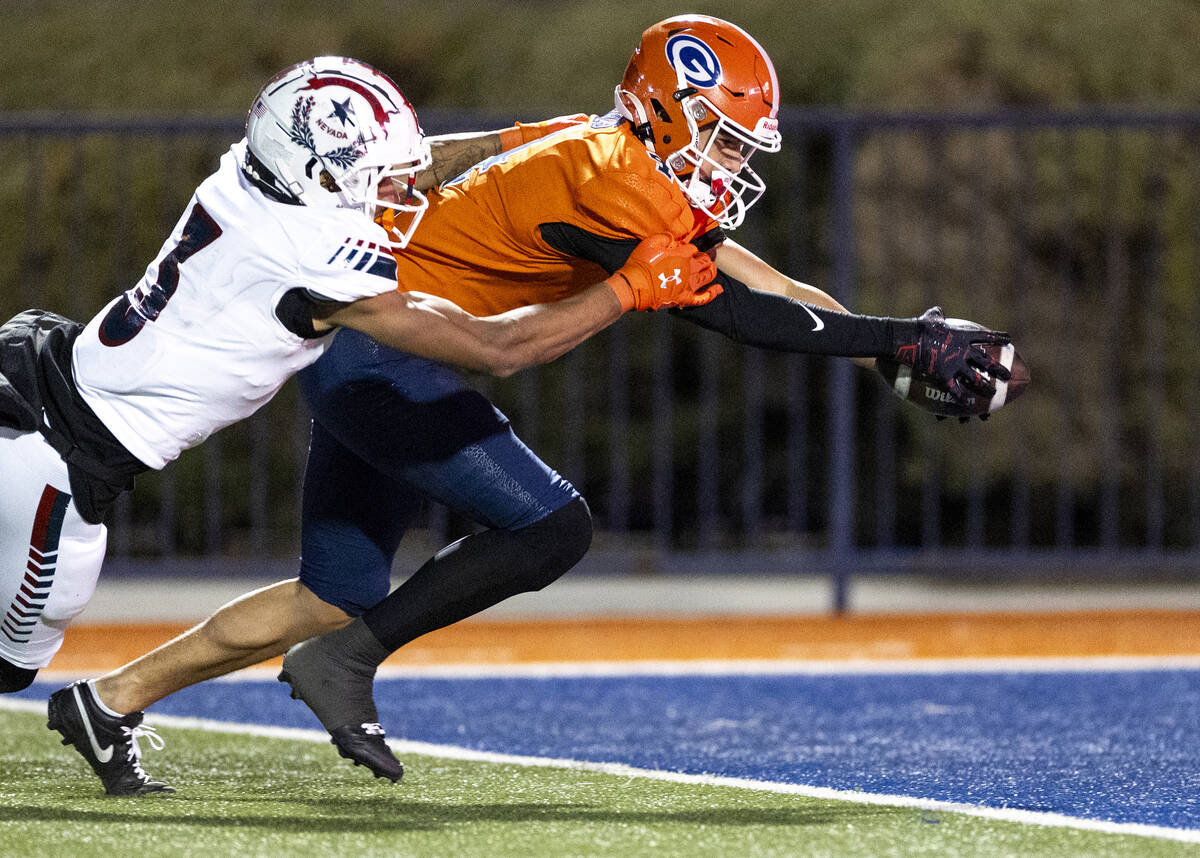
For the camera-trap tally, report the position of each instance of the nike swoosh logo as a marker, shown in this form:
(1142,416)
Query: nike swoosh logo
(817,323)
(102,754)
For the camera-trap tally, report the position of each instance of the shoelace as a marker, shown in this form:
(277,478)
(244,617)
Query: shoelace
(373,729)
(134,752)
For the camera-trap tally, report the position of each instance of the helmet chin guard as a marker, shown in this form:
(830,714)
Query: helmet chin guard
(335,132)
(703,96)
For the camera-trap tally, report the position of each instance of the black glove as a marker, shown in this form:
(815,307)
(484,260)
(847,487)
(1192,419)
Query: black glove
(953,355)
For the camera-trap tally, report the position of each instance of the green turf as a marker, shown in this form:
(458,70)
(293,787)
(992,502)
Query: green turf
(245,796)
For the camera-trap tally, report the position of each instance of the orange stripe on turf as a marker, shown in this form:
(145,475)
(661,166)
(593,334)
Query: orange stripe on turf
(90,648)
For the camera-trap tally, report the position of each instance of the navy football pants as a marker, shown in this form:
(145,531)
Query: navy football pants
(389,430)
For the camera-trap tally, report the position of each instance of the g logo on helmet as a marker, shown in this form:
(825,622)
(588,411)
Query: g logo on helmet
(695,60)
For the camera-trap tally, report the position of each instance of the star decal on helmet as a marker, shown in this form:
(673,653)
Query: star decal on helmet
(343,112)
(301,134)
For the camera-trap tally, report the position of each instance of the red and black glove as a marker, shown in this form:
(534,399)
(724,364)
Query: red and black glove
(953,354)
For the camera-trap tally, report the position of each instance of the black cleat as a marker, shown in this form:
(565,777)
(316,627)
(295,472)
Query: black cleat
(109,743)
(365,746)
(325,674)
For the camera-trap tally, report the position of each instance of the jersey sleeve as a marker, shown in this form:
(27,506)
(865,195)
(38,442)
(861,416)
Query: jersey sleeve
(526,132)
(347,265)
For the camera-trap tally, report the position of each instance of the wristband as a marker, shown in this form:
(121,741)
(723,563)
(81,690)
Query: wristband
(623,289)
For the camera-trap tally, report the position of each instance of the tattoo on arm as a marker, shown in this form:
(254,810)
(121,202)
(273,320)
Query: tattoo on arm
(454,156)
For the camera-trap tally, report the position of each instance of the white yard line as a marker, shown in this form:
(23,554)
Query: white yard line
(1028,817)
(739,667)
(765,667)
(781,667)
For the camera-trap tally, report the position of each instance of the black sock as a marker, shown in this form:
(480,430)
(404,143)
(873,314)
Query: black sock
(479,571)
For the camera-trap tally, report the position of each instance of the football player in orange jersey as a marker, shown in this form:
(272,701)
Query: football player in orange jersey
(562,209)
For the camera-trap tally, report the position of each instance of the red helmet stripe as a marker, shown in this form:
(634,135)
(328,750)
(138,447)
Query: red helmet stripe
(381,115)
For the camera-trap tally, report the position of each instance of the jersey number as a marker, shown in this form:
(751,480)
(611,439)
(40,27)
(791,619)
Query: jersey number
(138,306)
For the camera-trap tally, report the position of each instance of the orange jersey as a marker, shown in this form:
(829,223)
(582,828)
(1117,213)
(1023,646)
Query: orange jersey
(480,243)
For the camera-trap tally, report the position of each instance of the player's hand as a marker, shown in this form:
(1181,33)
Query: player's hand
(954,355)
(662,272)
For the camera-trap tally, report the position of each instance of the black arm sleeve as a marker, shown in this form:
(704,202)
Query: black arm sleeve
(749,316)
(771,321)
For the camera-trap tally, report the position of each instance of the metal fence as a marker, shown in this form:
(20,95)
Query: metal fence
(1078,232)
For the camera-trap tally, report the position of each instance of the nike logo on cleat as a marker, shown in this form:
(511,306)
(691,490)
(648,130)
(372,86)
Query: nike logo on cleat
(102,754)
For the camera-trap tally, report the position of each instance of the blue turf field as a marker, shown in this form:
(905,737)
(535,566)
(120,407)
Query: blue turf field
(1119,746)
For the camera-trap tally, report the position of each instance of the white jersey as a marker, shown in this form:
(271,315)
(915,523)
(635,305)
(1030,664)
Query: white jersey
(196,344)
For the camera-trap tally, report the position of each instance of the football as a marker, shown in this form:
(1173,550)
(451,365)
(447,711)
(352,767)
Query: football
(932,396)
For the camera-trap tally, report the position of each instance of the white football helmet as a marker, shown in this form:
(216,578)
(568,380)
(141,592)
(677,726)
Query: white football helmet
(333,131)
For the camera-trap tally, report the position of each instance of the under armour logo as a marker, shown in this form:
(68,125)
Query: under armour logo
(675,279)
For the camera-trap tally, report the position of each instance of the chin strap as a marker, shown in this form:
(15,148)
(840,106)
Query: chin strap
(632,111)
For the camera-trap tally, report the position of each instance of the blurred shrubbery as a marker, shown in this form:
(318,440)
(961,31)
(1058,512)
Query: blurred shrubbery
(210,56)
(1023,230)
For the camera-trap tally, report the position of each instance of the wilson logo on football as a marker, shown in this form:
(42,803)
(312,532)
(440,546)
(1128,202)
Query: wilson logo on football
(943,396)
(694,60)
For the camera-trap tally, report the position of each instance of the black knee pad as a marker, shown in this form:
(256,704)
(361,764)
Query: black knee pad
(479,571)
(13,678)
(558,541)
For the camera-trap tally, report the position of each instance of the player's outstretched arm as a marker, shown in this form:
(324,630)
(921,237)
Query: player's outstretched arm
(736,261)
(454,154)
(498,345)
(659,273)
(952,354)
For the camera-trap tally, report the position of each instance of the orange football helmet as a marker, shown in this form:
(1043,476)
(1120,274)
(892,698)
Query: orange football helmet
(703,96)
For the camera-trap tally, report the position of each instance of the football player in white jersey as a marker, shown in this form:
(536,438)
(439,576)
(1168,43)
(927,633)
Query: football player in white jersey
(273,252)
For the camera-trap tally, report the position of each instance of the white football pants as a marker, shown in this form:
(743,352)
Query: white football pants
(49,556)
